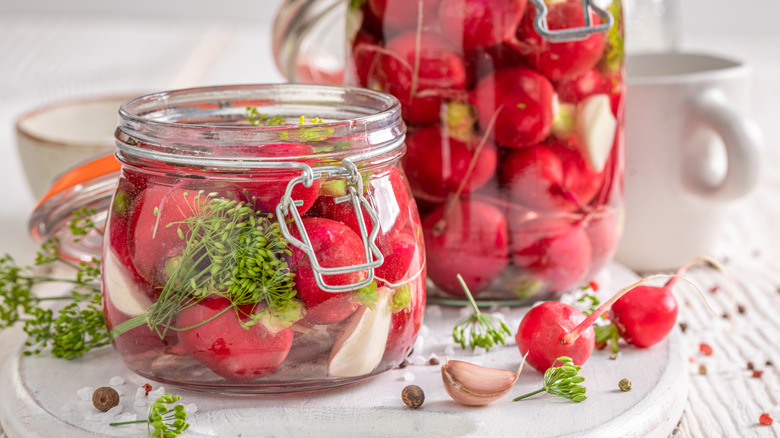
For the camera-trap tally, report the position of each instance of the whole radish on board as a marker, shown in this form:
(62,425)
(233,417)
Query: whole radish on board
(645,315)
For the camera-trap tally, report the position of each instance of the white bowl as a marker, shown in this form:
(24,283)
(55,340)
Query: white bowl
(57,136)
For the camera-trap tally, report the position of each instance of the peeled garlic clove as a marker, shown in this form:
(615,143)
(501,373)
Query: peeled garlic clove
(475,385)
(359,348)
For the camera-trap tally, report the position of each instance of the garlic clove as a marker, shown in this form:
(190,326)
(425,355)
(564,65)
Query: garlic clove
(125,294)
(596,127)
(475,385)
(359,348)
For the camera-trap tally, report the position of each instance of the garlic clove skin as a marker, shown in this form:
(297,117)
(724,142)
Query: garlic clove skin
(475,385)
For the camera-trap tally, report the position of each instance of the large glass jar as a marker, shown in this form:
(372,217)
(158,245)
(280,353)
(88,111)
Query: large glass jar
(515,116)
(262,238)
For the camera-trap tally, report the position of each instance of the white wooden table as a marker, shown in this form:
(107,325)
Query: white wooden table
(49,57)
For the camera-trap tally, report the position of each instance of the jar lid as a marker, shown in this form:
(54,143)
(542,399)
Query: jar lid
(82,193)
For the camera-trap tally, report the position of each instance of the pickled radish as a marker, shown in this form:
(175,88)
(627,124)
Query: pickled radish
(556,253)
(472,239)
(480,23)
(420,69)
(560,59)
(518,102)
(234,351)
(336,245)
(450,163)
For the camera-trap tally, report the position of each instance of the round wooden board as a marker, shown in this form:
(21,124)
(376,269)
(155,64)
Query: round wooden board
(40,395)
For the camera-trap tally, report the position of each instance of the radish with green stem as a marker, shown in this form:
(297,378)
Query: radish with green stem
(554,329)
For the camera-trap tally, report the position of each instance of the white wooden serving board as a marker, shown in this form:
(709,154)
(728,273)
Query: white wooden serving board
(39,395)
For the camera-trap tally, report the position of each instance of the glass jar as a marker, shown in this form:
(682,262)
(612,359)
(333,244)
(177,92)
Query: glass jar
(262,238)
(515,118)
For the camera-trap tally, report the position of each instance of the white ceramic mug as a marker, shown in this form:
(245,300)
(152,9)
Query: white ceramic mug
(690,149)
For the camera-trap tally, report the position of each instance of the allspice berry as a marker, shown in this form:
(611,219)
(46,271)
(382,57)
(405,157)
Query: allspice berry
(105,398)
(624,385)
(413,396)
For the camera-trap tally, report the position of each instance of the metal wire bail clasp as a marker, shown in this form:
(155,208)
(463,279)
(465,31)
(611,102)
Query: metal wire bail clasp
(354,194)
(574,33)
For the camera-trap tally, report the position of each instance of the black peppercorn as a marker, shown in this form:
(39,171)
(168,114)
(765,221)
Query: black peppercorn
(413,396)
(105,398)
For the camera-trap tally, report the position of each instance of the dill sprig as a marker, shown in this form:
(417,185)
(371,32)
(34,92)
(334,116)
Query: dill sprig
(563,381)
(163,421)
(232,251)
(479,329)
(71,330)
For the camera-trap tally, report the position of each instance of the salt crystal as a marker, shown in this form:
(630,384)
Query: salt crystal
(408,376)
(479,351)
(116,380)
(424,331)
(449,350)
(116,410)
(67,407)
(418,360)
(139,402)
(465,311)
(191,408)
(157,393)
(140,393)
(433,311)
(419,344)
(85,393)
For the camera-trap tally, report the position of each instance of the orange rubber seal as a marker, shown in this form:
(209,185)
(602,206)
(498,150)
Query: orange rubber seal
(86,172)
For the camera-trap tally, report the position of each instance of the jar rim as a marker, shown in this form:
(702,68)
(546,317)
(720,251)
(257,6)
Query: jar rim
(190,125)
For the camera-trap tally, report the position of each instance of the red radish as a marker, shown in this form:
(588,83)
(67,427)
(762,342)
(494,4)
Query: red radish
(541,333)
(138,340)
(603,228)
(335,245)
(483,62)
(573,89)
(398,15)
(265,189)
(409,308)
(365,57)
(471,239)
(420,70)
(480,23)
(521,103)
(399,248)
(154,242)
(230,349)
(387,193)
(548,177)
(554,252)
(645,317)
(562,59)
(447,162)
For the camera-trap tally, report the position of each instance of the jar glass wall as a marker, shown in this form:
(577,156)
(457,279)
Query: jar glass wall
(515,142)
(262,238)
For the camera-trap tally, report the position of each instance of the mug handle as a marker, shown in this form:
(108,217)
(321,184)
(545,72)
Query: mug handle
(742,139)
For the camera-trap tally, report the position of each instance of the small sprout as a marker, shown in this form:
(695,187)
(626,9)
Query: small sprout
(413,396)
(562,381)
(624,385)
(482,330)
(105,398)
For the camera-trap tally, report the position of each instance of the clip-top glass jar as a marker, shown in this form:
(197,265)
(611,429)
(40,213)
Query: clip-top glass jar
(515,116)
(262,238)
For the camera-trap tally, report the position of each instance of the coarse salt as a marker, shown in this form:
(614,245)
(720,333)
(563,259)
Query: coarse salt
(85,393)
(116,380)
